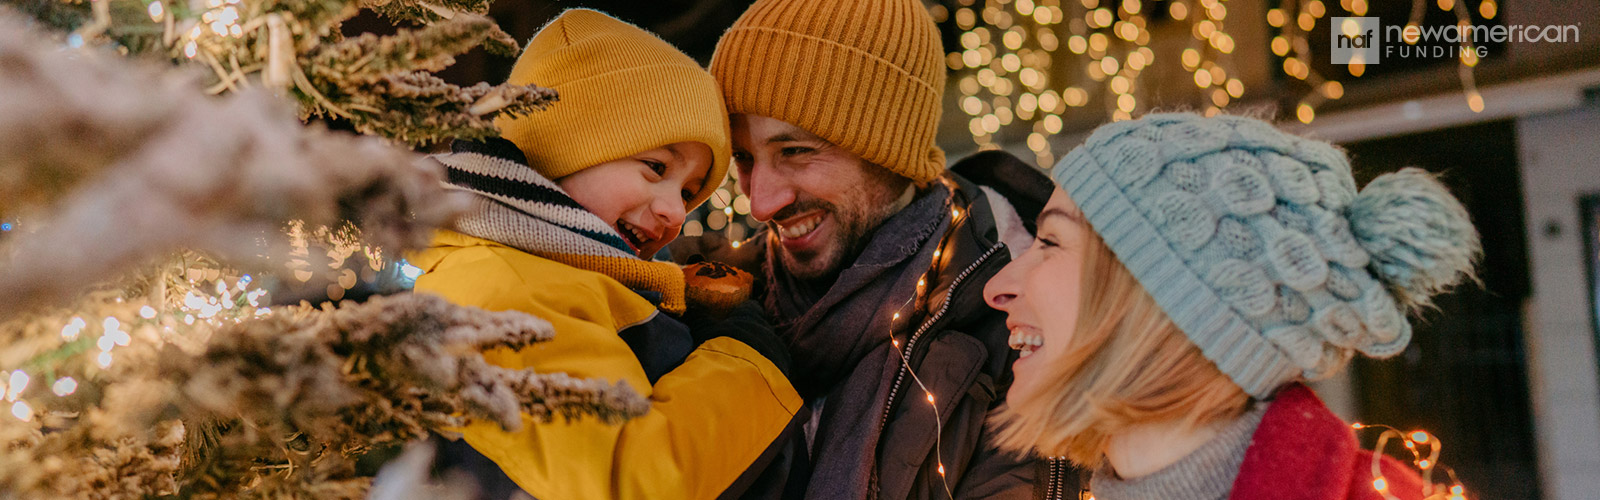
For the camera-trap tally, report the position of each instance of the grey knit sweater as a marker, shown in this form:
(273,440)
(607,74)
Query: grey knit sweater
(1205,474)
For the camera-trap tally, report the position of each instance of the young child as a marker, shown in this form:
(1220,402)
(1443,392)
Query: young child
(563,211)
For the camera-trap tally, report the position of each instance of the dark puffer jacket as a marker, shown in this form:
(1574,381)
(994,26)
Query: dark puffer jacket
(958,346)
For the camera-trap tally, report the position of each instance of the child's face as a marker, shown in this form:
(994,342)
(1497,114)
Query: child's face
(643,196)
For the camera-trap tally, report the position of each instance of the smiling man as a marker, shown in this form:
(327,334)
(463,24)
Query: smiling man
(873,253)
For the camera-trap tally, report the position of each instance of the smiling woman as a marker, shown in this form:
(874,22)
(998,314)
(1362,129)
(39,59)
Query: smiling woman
(1095,364)
(1187,275)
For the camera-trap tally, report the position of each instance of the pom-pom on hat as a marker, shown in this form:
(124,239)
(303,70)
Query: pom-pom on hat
(622,90)
(1257,244)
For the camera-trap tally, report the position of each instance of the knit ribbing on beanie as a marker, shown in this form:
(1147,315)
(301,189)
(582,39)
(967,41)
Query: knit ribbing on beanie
(867,76)
(514,205)
(622,91)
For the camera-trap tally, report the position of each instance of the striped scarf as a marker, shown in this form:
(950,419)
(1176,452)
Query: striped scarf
(516,206)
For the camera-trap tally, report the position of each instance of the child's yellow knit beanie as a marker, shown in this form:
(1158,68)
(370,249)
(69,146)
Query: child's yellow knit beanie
(866,75)
(622,90)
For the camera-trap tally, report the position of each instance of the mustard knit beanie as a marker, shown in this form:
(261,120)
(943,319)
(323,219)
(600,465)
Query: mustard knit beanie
(866,75)
(622,90)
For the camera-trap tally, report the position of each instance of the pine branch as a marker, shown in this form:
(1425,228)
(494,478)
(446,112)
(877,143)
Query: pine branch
(134,166)
(419,12)
(294,46)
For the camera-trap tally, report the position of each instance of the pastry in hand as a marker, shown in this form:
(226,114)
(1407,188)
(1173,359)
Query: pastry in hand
(716,286)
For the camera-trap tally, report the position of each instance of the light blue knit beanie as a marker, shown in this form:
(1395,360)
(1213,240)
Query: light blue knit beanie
(1258,246)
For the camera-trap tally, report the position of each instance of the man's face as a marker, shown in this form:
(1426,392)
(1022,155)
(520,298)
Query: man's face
(819,200)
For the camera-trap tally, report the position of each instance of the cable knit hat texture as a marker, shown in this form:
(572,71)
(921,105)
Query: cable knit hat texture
(866,75)
(622,91)
(1257,244)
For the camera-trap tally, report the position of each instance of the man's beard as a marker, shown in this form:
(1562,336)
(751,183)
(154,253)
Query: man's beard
(855,225)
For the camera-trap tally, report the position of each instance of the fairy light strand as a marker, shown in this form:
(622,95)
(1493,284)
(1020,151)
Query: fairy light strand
(1007,51)
(1412,441)
(918,296)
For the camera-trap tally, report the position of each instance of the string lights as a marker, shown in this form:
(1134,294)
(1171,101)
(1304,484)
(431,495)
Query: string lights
(1414,443)
(1009,50)
(728,212)
(186,302)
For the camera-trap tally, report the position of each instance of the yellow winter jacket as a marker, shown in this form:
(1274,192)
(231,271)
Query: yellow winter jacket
(710,417)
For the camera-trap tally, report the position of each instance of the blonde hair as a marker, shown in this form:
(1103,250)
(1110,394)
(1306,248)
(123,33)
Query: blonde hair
(1126,364)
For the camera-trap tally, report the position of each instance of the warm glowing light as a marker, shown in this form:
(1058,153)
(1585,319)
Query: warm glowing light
(1280,46)
(72,329)
(1475,102)
(1052,124)
(64,386)
(1380,484)
(930,398)
(1102,17)
(1077,44)
(1333,89)
(1306,114)
(1119,85)
(156,11)
(1488,9)
(1126,103)
(1420,437)
(22,411)
(972,105)
(1109,65)
(18,382)
(1178,11)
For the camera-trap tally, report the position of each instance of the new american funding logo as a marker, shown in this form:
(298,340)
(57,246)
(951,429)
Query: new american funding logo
(1365,40)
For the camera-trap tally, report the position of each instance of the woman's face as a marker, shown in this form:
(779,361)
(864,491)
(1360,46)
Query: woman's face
(643,196)
(1039,292)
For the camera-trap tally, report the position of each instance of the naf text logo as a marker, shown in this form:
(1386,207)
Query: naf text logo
(1355,40)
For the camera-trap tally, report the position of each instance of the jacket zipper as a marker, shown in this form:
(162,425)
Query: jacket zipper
(1055,490)
(900,375)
